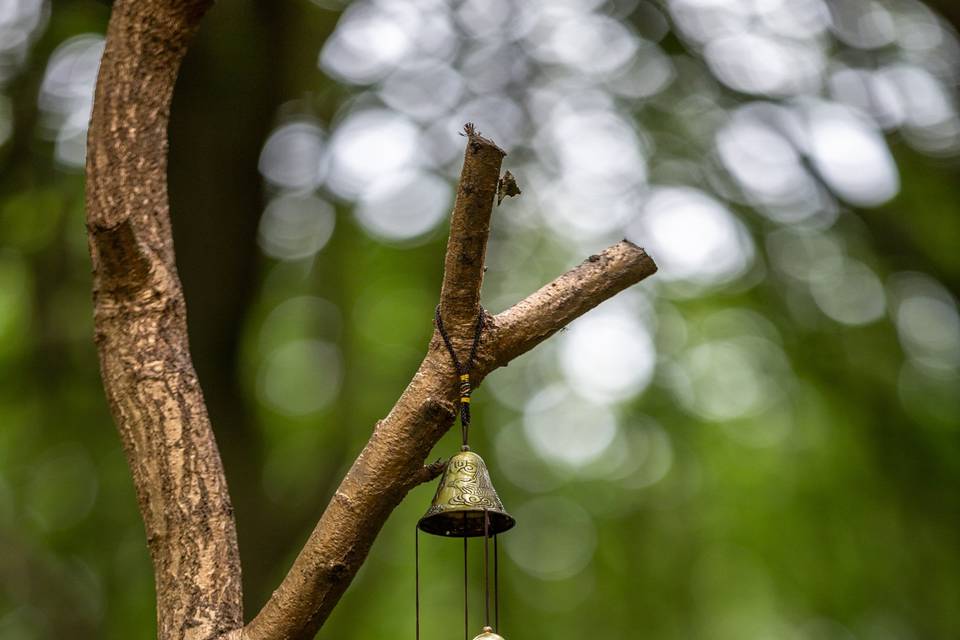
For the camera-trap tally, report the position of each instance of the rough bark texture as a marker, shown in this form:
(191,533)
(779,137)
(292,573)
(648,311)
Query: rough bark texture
(153,390)
(141,328)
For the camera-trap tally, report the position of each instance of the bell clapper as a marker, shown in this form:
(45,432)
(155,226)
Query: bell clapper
(488,634)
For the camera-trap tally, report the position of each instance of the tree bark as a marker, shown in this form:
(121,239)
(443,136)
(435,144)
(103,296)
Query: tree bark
(141,329)
(152,388)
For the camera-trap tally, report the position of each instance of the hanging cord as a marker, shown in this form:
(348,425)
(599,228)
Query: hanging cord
(416,547)
(486,567)
(466,587)
(463,370)
(496,584)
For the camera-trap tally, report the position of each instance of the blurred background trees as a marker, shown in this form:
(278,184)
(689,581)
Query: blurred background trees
(760,442)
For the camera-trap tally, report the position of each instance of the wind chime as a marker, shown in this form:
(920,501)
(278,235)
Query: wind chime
(466,505)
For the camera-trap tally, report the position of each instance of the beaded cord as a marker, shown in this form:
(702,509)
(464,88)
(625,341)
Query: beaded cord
(463,370)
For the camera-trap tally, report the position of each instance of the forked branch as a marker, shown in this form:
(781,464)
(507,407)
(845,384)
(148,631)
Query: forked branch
(153,391)
(391,462)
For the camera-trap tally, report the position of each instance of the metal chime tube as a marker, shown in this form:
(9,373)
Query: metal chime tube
(496,584)
(486,568)
(416,573)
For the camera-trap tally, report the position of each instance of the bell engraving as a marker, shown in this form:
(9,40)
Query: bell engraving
(465,498)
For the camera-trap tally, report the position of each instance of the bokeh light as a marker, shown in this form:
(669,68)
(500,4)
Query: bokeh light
(296,227)
(404,205)
(294,156)
(848,291)
(568,429)
(694,237)
(608,356)
(301,377)
(731,378)
(927,321)
(851,156)
(66,95)
(367,146)
(560,542)
(21,22)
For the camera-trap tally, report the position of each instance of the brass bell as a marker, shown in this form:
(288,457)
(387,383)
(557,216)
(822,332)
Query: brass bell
(466,505)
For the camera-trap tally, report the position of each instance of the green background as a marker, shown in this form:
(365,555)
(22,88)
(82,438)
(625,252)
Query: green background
(762,441)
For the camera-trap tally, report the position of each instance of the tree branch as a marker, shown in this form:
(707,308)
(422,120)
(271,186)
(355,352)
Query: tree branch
(469,231)
(153,391)
(537,317)
(391,462)
(141,329)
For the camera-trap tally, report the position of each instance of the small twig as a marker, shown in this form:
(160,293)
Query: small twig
(428,472)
